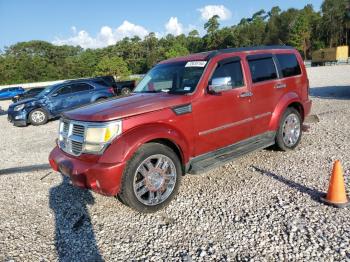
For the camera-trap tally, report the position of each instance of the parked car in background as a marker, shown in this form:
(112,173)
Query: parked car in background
(120,87)
(187,115)
(125,87)
(9,93)
(55,99)
(28,94)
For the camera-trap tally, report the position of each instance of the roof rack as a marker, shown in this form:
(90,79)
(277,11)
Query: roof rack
(243,49)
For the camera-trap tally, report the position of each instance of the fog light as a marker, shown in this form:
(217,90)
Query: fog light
(93,148)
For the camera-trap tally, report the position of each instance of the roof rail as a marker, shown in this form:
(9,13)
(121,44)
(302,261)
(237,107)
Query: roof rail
(249,48)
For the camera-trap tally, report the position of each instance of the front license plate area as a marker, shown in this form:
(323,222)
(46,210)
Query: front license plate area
(64,169)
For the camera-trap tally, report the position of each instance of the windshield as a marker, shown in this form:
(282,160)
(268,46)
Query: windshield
(47,90)
(176,78)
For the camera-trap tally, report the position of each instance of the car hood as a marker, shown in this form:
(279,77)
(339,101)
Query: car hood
(127,106)
(24,101)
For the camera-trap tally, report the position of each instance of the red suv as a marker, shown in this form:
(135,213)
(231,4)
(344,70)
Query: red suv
(187,115)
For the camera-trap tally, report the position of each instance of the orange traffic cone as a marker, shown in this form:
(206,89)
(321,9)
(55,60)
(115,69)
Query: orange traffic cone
(336,195)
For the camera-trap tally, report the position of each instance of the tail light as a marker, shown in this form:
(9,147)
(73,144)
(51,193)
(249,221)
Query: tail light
(111,90)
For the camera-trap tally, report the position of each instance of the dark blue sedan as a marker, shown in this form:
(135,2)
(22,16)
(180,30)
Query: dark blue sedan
(8,93)
(55,99)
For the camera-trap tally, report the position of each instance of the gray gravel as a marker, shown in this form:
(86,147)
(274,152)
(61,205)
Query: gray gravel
(261,207)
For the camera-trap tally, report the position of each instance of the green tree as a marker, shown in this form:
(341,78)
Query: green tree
(114,66)
(176,51)
(212,25)
(305,29)
(194,42)
(273,26)
(334,21)
(300,34)
(152,51)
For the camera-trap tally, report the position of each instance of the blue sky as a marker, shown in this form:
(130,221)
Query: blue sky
(99,23)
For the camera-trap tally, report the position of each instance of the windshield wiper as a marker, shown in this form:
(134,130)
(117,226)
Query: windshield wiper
(178,92)
(148,91)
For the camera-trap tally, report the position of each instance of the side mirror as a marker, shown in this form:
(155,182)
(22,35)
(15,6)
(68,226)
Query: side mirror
(220,84)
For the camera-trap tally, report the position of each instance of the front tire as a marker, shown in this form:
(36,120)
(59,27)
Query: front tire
(290,130)
(151,178)
(38,117)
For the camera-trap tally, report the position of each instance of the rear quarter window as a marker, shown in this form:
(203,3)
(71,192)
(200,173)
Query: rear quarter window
(289,65)
(101,82)
(262,69)
(81,87)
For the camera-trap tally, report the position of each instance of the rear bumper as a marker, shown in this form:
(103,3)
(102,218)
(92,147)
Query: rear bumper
(102,178)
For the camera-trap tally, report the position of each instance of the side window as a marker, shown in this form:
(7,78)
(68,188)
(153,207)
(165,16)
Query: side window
(262,69)
(81,87)
(289,65)
(63,90)
(101,82)
(231,69)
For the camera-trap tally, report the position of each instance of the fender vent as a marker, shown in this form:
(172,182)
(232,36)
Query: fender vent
(183,109)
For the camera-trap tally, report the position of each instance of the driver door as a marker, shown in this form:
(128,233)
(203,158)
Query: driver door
(223,118)
(59,99)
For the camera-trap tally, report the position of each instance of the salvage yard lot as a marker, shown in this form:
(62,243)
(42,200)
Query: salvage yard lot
(263,206)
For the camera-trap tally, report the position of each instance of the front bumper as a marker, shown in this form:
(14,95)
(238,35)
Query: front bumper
(18,118)
(102,178)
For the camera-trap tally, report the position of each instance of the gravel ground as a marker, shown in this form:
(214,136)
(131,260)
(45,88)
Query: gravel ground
(263,206)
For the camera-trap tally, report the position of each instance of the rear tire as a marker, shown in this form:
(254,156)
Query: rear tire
(125,91)
(151,178)
(38,117)
(290,130)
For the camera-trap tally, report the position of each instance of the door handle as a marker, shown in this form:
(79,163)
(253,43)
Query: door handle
(280,86)
(246,94)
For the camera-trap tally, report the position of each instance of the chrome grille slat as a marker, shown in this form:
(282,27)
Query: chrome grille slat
(78,130)
(65,127)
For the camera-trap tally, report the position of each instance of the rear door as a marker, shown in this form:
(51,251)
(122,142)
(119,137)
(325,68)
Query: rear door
(225,118)
(291,73)
(266,89)
(81,94)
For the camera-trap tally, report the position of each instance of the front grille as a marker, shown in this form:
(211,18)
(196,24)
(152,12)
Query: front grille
(76,147)
(72,135)
(78,130)
(65,127)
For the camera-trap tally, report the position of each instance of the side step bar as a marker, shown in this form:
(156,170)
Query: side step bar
(224,155)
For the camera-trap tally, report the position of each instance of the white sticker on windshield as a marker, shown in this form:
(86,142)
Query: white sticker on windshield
(196,64)
(187,88)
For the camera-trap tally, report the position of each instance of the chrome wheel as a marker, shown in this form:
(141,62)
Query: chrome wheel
(38,116)
(154,180)
(291,130)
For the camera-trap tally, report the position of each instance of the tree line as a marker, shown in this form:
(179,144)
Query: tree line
(305,29)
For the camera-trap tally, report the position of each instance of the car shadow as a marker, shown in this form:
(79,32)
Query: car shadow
(23,169)
(74,234)
(331,92)
(313,193)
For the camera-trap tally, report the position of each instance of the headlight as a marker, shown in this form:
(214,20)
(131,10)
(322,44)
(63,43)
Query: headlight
(97,136)
(19,107)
